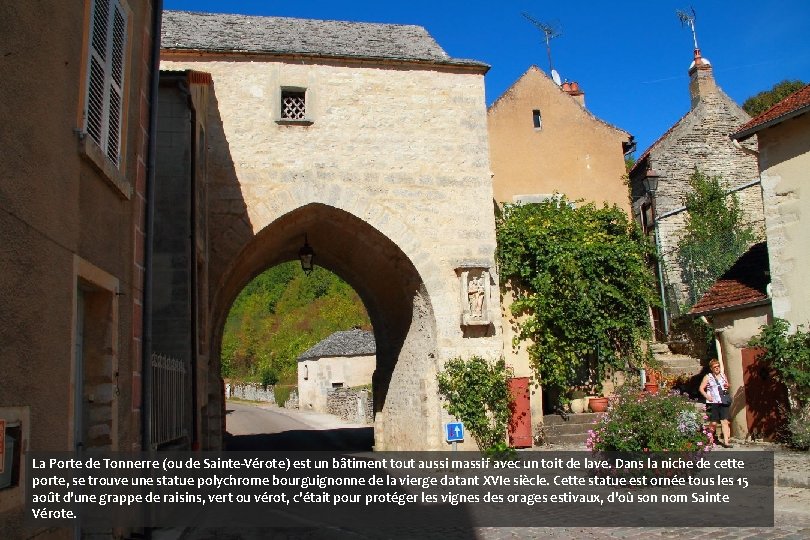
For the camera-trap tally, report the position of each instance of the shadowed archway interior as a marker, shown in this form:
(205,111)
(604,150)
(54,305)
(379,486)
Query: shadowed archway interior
(387,282)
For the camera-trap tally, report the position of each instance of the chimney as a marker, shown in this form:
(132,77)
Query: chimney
(573,90)
(701,79)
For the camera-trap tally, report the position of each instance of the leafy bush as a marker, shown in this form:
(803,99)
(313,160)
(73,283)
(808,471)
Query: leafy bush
(798,424)
(477,393)
(581,286)
(789,354)
(650,422)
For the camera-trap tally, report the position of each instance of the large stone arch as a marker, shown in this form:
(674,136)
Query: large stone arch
(407,411)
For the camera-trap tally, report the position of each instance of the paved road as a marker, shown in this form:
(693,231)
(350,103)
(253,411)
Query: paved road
(267,428)
(261,427)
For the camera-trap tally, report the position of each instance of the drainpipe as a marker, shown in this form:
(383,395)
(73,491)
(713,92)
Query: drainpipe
(664,311)
(149,218)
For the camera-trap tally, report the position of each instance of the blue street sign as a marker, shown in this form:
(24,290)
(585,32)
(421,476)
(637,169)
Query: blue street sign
(454,431)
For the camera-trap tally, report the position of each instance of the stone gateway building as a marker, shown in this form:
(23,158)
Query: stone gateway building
(369,143)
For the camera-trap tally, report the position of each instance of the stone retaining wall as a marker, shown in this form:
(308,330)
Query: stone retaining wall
(350,404)
(251,392)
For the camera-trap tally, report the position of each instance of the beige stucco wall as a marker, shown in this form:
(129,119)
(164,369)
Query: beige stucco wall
(317,376)
(574,153)
(784,161)
(733,330)
(64,223)
(402,150)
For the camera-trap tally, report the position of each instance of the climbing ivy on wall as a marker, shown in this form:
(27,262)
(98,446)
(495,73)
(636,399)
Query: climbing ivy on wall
(581,285)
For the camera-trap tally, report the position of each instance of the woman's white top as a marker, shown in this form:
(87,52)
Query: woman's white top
(715,387)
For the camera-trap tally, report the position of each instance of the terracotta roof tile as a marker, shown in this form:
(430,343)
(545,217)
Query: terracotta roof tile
(788,107)
(744,283)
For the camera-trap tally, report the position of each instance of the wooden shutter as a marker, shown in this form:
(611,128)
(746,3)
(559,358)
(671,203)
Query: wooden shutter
(105,81)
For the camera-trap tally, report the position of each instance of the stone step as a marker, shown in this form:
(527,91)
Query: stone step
(581,418)
(568,429)
(577,440)
(573,431)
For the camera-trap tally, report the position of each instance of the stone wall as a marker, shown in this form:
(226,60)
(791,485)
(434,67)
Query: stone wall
(352,405)
(785,159)
(250,392)
(699,140)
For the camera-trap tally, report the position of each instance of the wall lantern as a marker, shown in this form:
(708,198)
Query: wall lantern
(306,256)
(651,181)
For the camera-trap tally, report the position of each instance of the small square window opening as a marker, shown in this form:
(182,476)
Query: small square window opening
(293,105)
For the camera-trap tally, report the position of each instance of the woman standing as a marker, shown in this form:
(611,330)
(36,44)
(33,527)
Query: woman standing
(713,387)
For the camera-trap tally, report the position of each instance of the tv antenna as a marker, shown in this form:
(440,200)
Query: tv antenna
(688,19)
(550,31)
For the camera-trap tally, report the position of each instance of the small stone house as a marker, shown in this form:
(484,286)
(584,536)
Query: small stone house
(698,140)
(345,359)
(783,136)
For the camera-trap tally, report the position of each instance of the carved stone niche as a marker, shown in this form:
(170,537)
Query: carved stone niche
(475,294)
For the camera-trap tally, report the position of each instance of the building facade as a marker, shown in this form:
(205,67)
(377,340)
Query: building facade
(783,136)
(699,140)
(76,109)
(544,142)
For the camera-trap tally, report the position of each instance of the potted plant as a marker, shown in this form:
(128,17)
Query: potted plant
(598,404)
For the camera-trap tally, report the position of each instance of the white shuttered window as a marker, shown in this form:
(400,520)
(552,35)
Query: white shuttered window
(105,76)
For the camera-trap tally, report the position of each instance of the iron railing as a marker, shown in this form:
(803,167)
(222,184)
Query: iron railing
(169,394)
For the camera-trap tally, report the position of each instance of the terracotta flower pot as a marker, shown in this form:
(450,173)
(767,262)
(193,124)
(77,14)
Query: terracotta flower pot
(598,404)
(651,387)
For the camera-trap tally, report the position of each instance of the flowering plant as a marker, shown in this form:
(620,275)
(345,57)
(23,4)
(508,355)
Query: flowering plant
(665,421)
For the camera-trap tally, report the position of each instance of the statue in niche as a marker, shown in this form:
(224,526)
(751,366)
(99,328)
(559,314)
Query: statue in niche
(475,294)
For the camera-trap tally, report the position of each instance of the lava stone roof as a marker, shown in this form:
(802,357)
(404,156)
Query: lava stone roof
(745,283)
(795,104)
(218,32)
(347,343)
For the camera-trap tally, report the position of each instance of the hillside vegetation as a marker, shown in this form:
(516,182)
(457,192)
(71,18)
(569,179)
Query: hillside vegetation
(279,315)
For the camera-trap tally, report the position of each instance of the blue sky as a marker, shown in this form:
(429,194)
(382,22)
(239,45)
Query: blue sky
(630,58)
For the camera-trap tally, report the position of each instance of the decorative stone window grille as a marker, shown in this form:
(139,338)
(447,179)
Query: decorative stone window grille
(293,105)
(475,294)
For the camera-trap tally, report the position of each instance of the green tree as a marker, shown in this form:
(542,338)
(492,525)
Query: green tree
(581,287)
(714,237)
(280,314)
(477,393)
(763,101)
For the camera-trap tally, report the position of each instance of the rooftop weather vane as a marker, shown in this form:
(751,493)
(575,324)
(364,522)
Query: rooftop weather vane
(688,20)
(549,31)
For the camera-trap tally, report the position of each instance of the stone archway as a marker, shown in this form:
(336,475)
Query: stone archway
(388,175)
(395,296)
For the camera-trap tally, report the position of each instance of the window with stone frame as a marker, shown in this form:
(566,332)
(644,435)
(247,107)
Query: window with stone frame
(103,112)
(293,104)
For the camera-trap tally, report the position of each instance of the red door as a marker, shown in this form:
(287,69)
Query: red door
(765,397)
(520,423)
